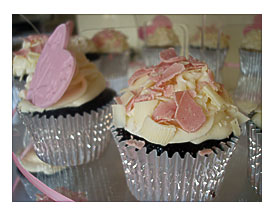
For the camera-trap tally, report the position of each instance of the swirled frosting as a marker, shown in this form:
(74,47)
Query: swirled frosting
(86,84)
(176,101)
(110,41)
(252,40)
(210,38)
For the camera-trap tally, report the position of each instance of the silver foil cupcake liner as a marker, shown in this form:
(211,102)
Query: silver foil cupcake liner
(70,141)
(160,178)
(114,67)
(212,57)
(251,63)
(151,57)
(255,156)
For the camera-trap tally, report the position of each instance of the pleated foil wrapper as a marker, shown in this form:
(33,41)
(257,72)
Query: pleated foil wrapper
(151,57)
(212,57)
(79,183)
(255,156)
(114,67)
(70,141)
(251,63)
(160,178)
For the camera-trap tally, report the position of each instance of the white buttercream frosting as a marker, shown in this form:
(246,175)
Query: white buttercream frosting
(87,83)
(253,40)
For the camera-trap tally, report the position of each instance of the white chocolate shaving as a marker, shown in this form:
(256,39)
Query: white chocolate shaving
(157,133)
(126,97)
(119,115)
(235,127)
(142,110)
(216,99)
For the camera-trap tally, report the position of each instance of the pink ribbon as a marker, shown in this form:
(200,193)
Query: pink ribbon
(52,194)
(231,65)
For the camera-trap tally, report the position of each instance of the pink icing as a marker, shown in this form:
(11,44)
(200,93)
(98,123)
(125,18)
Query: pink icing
(54,71)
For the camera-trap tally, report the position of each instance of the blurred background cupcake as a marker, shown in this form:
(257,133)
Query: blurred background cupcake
(251,49)
(69,117)
(157,36)
(176,129)
(213,50)
(114,55)
(84,45)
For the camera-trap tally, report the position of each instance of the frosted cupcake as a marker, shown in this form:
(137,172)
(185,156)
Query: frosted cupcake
(251,49)
(157,36)
(114,52)
(254,133)
(176,129)
(65,105)
(211,45)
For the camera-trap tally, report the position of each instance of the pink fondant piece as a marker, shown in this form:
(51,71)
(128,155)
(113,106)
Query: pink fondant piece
(54,70)
(60,37)
(70,26)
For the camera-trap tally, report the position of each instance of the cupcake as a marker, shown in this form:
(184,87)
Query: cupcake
(157,36)
(251,49)
(176,129)
(254,133)
(64,105)
(211,40)
(114,52)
